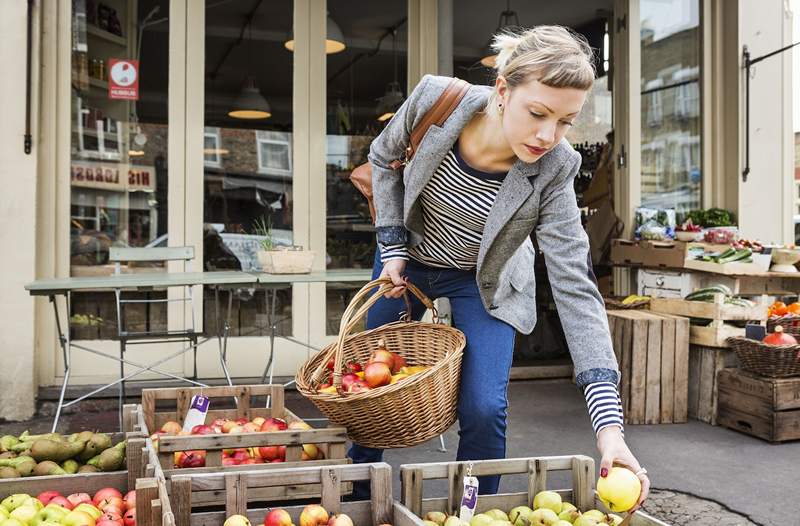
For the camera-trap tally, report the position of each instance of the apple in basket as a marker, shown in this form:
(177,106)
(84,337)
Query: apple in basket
(399,363)
(359,386)
(377,374)
(348,379)
(382,355)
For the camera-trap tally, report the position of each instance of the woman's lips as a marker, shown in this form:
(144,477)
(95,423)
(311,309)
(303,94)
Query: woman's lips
(536,151)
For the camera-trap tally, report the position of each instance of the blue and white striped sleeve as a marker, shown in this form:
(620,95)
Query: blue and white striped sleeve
(605,406)
(395,251)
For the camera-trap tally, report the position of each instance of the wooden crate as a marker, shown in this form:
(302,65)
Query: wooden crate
(243,490)
(767,408)
(653,355)
(704,364)
(331,440)
(581,493)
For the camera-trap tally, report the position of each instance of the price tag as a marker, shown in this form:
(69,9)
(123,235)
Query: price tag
(469,500)
(196,415)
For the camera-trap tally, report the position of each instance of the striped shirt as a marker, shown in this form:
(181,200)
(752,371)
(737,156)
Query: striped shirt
(455,205)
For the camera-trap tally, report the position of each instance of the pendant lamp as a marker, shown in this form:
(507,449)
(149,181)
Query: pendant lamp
(393,97)
(504,22)
(250,104)
(334,40)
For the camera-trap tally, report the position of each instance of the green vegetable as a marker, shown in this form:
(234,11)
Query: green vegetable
(708,292)
(738,255)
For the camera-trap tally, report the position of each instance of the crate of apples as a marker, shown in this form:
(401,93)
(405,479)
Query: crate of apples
(312,515)
(383,368)
(108,507)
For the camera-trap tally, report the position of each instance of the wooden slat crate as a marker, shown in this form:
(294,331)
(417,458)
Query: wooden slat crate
(704,364)
(331,440)
(581,493)
(653,355)
(241,490)
(767,408)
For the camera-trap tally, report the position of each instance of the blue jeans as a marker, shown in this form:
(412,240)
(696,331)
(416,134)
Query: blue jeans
(482,401)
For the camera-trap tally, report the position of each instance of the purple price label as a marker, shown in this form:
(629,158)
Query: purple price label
(470,499)
(200,403)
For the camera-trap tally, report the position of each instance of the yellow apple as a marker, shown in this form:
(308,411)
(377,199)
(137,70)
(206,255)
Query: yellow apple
(549,500)
(237,520)
(620,490)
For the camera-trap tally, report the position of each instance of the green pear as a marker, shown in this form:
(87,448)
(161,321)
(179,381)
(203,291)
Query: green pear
(543,517)
(519,511)
(547,499)
(24,513)
(498,515)
(481,519)
(14,501)
(435,516)
(566,506)
(7,472)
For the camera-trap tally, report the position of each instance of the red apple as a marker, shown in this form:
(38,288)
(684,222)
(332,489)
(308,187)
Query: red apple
(277,460)
(330,365)
(313,515)
(107,522)
(130,499)
(377,374)
(354,367)
(193,459)
(278,517)
(62,501)
(241,421)
(114,510)
(382,355)
(269,452)
(359,386)
(228,425)
(105,493)
(202,430)
(274,424)
(171,428)
(228,462)
(78,498)
(111,516)
(259,421)
(241,454)
(114,502)
(130,517)
(249,461)
(46,496)
(348,379)
(399,363)
(340,520)
(251,427)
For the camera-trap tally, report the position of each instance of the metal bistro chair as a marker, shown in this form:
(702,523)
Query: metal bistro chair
(188,335)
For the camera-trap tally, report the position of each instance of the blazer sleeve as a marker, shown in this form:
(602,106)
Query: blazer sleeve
(581,309)
(387,184)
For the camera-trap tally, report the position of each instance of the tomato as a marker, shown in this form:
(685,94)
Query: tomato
(779,308)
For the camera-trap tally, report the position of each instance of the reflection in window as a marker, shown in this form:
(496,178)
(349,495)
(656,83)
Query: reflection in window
(670,57)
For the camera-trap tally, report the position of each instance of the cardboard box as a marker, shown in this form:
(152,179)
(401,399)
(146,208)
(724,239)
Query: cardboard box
(626,252)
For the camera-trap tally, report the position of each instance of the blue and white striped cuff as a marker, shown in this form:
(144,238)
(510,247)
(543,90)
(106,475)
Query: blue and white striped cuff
(388,252)
(605,406)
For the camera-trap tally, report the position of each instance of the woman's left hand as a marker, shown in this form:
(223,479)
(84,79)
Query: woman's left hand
(614,451)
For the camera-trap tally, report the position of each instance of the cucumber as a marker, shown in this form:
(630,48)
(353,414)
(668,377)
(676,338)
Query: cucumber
(741,302)
(737,255)
(707,294)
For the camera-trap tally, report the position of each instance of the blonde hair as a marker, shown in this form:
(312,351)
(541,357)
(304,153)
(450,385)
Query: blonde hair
(556,56)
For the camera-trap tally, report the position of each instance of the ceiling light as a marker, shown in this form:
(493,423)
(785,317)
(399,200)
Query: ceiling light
(250,104)
(508,19)
(334,41)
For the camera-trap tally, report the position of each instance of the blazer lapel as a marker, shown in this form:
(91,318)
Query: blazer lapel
(517,187)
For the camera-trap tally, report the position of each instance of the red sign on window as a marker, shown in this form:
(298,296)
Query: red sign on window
(123,79)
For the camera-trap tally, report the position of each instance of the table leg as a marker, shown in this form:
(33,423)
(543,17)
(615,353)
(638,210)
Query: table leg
(122,382)
(270,305)
(64,343)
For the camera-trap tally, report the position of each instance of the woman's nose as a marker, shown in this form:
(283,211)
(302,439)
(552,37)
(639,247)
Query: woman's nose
(545,135)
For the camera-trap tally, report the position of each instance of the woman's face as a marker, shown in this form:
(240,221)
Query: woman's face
(535,117)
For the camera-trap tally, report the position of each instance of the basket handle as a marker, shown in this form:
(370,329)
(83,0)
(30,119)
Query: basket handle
(353,315)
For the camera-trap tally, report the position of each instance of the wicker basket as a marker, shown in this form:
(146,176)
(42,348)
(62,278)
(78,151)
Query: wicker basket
(615,303)
(774,361)
(790,324)
(403,414)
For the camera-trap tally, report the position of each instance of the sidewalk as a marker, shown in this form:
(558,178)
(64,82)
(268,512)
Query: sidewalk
(689,464)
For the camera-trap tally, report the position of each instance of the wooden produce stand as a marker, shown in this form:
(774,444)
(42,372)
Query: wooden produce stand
(767,408)
(240,489)
(331,441)
(581,493)
(653,355)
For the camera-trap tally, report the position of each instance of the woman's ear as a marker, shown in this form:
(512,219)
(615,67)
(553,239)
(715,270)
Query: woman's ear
(501,85)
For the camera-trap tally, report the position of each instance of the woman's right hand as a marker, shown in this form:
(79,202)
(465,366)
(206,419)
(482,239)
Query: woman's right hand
(394,269)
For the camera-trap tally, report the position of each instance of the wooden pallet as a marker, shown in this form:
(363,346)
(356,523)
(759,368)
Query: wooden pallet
(767,408)
(653,355)
(581,493)
(240,490)
(704,364)
(332,440)
(713,311)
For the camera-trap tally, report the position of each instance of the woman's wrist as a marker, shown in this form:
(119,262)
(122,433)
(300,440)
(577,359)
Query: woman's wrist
(609,433)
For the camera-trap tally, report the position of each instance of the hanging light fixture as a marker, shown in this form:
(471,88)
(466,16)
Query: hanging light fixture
(393,97)
(504,22)
(250,104)
(334,40)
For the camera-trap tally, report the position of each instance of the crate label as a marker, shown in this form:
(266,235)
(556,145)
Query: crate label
(196,415)
(470,499)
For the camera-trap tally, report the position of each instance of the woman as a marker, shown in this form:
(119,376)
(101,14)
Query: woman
(458,222)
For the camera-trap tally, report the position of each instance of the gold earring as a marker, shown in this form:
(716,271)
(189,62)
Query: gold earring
(500,108)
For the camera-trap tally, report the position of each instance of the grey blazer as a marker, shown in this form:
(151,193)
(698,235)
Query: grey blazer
(535,195)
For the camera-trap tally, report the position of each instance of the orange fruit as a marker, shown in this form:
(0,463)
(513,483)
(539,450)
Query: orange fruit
(793,308)
(779,308)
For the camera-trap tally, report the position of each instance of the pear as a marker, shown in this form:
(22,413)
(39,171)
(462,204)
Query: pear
(430,523)
(613,519)
(499,523)
(26,467)
(48,467)
(111,460)
(585,520)
(455,521)
(595,514)
(14,501)
(497,514)
(7,442)
(12,522)
(86,468)
(70,466)
(481,519)
(3,514)
(519,512)
(562,523)
(83,436)
(7,472)
(96,445)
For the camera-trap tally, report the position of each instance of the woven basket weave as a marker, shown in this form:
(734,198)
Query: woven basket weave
(775,361)
(790,325)
(403,414)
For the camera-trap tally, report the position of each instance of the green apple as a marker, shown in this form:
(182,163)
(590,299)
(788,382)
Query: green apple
(3,513)
(33,501)
(14,501)
(500,523)
(569,515)
(455,521)
(613,519)
(498,515)
(566,506)
(50,523)
(585,520)
(519,511)
(595,514)
(49,514)
(481,519)
(11,522)
(93,511)
(562,523)
(543,517)
(430,523)
(77,518)
(24,514)
(436,516)
(549,500)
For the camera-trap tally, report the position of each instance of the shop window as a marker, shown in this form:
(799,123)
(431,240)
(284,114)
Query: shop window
(212,153)
(274,152)
(118,150)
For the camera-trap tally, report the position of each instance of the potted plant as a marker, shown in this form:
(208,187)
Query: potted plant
(280,259)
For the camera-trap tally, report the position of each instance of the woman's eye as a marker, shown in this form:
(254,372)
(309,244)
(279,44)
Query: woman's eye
(566,123)
(536,115)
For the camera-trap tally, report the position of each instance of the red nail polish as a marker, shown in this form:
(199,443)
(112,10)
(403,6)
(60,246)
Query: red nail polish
(604,472)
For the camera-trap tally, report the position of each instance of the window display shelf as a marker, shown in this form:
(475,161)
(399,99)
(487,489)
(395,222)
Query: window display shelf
(105,35)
